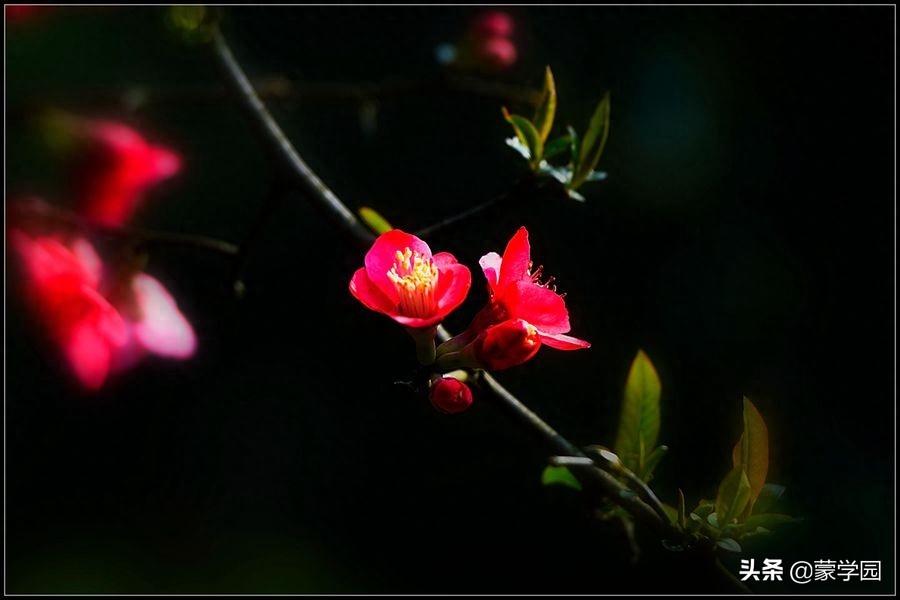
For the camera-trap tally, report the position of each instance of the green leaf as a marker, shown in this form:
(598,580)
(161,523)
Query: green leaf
(672,513)
(639,422)
(557,146)
(652,461)
(528,135)
(573,143)
(682,520)
(729,544)
(734,493)
(767,498)
(374,220)
(767,521)
(560,476)
(751,453)
(593,143)
(546,110)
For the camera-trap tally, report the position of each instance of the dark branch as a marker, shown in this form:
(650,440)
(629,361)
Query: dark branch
(294,168)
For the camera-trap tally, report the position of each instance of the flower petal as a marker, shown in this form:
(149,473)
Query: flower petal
(380,258)
(89,260)
(88,354)
(162,328)
(563,342)
(490,264)
(454,281)
(543,308)
(516,259)
(371,295)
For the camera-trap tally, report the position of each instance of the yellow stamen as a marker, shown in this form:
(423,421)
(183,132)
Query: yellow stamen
(415,278)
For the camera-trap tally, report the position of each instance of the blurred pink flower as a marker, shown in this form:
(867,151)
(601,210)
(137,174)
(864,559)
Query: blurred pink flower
(61,288)
(98,334)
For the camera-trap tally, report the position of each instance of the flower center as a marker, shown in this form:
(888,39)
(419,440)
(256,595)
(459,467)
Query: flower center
(415,278)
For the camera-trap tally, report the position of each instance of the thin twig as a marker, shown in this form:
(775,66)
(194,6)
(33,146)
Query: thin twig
(284,153)
(426,231)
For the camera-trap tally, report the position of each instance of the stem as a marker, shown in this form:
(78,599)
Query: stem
(284,153)
(146,237)
(426,231)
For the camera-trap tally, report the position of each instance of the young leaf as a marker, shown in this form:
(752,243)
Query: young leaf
(528,135)
(752,451)
(573,143)
(639,422)
(374,220)
(767,521)
(556,146)
(652,461)
(729,544)
(560,476)
(546,110)
(734,493)
(593,143)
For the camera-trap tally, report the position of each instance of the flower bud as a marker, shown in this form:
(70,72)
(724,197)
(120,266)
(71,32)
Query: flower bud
(450,395)
(506,344)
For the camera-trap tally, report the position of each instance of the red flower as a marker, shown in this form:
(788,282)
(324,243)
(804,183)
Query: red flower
(450,395)
(404,281)
(516,293)
(117,170)
(62,288)
(98,334)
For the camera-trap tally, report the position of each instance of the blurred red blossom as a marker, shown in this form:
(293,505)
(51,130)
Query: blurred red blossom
(98,332)
(487,45)
(114,167)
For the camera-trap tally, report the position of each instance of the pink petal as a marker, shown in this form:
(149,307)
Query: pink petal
(563,342)
(454,282)
(444,259)
(490,264)
(516,260)
(380,258)
(538,305)
(162,328)
(371,295)
(89,260)
(163,163)
(88,354)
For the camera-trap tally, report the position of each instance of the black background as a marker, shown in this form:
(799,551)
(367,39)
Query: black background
(744,239)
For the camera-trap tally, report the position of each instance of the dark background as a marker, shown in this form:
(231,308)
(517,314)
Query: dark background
(744,239)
